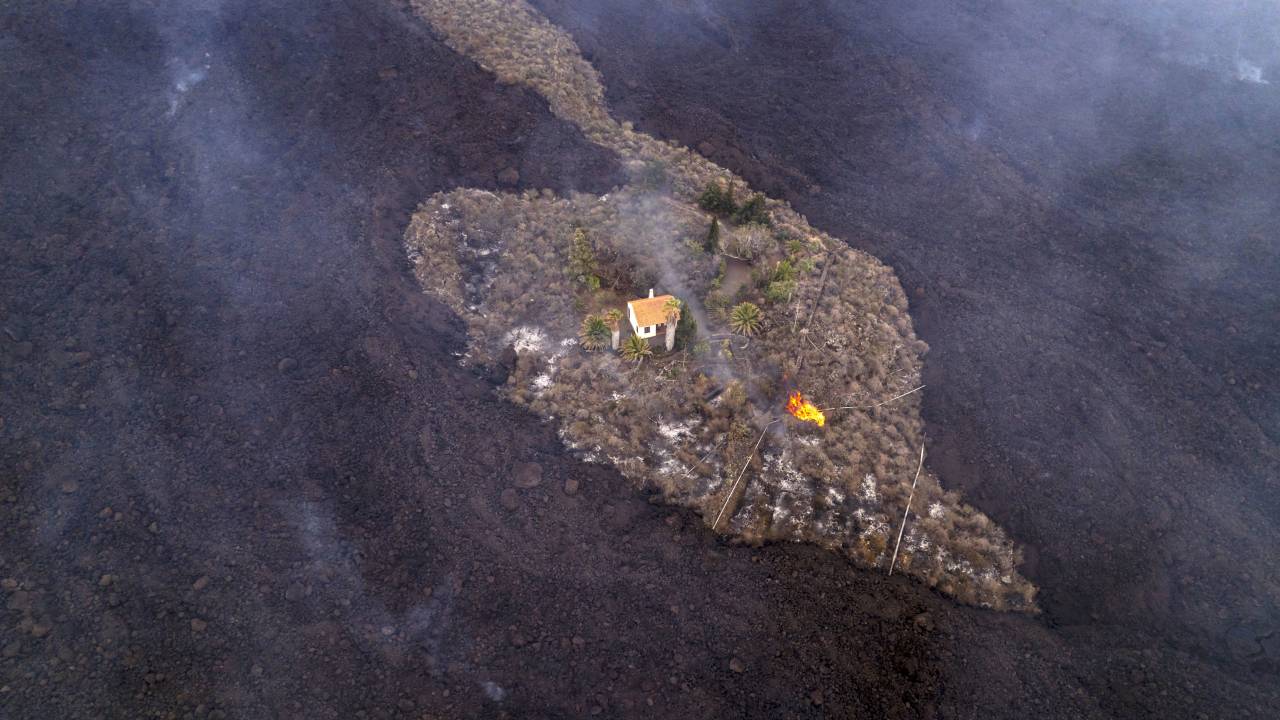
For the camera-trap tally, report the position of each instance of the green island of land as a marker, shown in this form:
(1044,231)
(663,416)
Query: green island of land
(687,395)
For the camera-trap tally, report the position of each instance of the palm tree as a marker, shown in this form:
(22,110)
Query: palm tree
(613,318)
(745,319)
(672,309)
(594,333)
(636,349)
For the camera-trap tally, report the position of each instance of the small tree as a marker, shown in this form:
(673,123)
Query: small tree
(717,199)
(582,260)
(636,349)
(686,329)
(745,319)
(752,211)
(711,243)
(594,333)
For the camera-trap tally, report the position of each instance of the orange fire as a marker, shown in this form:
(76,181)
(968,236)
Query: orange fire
(805,410)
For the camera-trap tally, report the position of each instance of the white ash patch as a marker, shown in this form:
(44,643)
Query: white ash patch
(956,566)
(669,465)
(568,342)
(835,496)
(593,454)
(936,511)
(916,542)
(787,479)
(567,440)
(676,432)
(870,524)
(791,493)
(542,382)
(527,339)
(868,489)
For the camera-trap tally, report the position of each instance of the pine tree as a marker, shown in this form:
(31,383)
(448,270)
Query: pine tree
(711,243)
(582,260)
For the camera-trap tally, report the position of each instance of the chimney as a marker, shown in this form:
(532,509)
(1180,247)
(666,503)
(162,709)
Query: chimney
(650,292)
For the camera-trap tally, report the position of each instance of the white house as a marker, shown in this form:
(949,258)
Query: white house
(648,316)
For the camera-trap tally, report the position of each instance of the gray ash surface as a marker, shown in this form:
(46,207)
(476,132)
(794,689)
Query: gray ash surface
(243,476)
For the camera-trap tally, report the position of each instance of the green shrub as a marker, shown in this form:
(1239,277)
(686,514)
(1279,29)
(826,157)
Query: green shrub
(784,271)
(635,349)
(752,211)
(594,333)
(779,291)
(718,306)
(716,199)
(745,319)
(721,268)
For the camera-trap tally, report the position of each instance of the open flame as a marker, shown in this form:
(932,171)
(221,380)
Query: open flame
(805,410)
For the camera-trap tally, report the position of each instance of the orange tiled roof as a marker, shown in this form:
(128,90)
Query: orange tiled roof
(650,311)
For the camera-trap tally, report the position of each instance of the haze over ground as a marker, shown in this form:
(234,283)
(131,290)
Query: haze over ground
(242,475)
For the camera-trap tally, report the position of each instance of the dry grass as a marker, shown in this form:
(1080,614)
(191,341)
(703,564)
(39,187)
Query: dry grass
(689,424)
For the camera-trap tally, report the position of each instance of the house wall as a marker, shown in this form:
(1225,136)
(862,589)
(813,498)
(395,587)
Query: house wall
(642,331)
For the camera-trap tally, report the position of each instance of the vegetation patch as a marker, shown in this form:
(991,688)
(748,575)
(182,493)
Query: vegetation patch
(688,395)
